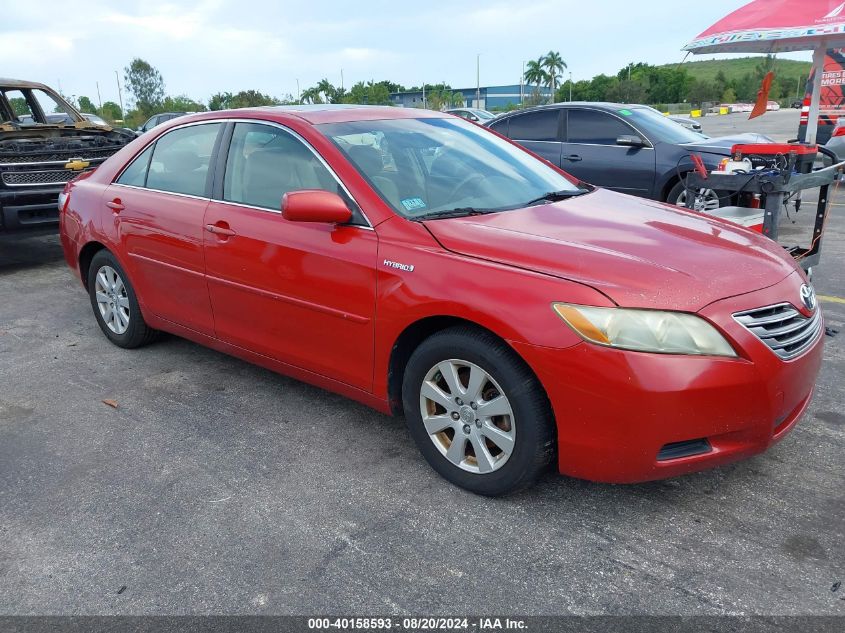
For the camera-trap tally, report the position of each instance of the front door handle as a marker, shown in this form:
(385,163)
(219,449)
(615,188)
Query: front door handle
(115,205)
(574,158)
(220,229)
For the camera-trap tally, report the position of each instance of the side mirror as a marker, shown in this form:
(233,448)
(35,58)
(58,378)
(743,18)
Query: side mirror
(630,140)
(315,205)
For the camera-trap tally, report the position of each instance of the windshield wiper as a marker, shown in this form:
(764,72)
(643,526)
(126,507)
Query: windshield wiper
(554,196)
(458,212)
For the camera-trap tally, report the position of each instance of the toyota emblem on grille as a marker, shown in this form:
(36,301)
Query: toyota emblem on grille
(808,297)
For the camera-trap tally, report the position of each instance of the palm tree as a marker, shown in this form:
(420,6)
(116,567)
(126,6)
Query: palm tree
(311,95)
(554,66)
(535,73)
(327,90)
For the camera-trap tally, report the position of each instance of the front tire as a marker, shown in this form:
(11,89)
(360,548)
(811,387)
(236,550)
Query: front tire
(477,413)
(706,200)
(115,304)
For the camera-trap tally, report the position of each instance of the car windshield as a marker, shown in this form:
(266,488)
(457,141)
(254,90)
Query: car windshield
(483,114)
(658,128)
(429,166)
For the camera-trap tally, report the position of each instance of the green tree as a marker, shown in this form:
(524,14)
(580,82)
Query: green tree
(627,91)
(252,99)
(600,85)
(20,106)
(181,103)
(311,95)
(87,106)
(728,96)
(721,81)
(746,87)
(111,112)
(554,66)
(370,93)
(703,91)
(146,85)
(765,65)
(220,101)
(243,99)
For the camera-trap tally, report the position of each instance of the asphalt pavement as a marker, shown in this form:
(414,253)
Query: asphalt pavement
(781,125)
(217,487)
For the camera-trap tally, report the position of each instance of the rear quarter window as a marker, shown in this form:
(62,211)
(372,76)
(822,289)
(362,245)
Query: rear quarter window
(500,126)
(135,173)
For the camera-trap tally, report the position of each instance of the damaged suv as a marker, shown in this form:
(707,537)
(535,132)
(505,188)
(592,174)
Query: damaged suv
(44,142)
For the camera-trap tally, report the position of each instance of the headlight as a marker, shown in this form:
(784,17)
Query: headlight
(645,330)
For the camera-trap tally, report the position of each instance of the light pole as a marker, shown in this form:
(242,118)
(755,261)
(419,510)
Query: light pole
(478,80)
(119,96)
(570,85)
(522,87)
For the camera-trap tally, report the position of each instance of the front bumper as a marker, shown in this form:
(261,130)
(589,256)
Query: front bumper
(615,410)
(25,209)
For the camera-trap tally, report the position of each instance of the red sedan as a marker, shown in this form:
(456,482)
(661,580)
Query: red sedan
(423,265)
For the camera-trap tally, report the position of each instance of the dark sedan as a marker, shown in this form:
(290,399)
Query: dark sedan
(628,148)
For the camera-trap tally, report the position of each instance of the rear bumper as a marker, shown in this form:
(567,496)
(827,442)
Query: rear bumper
(29,209)
(616,410)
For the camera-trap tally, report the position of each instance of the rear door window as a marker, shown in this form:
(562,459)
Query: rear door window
(181,159)
(541,125)
(596,128)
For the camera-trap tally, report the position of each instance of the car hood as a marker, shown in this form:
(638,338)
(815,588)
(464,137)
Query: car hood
(722,144)
(639,253)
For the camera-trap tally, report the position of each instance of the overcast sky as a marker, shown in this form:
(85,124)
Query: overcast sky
(216,45)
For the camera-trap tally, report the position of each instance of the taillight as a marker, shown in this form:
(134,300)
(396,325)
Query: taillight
(839,131)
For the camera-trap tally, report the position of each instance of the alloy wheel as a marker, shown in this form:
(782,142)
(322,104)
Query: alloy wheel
(706,200)
(467,416)
(112,299)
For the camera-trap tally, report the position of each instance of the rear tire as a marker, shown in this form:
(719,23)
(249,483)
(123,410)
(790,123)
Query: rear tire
(466,393)
(115,304)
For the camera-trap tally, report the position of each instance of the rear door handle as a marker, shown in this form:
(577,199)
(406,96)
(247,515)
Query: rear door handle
(220,230)
(573,158)
(115,205)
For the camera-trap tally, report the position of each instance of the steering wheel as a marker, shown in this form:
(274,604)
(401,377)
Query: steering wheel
(465,182)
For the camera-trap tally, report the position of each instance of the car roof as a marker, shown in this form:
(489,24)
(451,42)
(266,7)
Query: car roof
(19,83)
(598,105)
(323,113)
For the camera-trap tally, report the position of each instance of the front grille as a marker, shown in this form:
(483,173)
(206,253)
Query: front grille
(35,178)
(785,330)
(64,156)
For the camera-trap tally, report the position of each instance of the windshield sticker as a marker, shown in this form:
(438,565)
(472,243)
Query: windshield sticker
(411,204)
(625,112)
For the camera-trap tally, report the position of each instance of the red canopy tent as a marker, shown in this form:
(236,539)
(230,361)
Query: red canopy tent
(772,26)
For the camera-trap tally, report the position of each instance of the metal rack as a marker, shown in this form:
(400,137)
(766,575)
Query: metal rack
(775,186)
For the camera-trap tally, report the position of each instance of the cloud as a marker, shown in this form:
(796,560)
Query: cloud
(207,46)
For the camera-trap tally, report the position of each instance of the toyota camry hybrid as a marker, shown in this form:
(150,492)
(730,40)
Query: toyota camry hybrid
(423,265)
